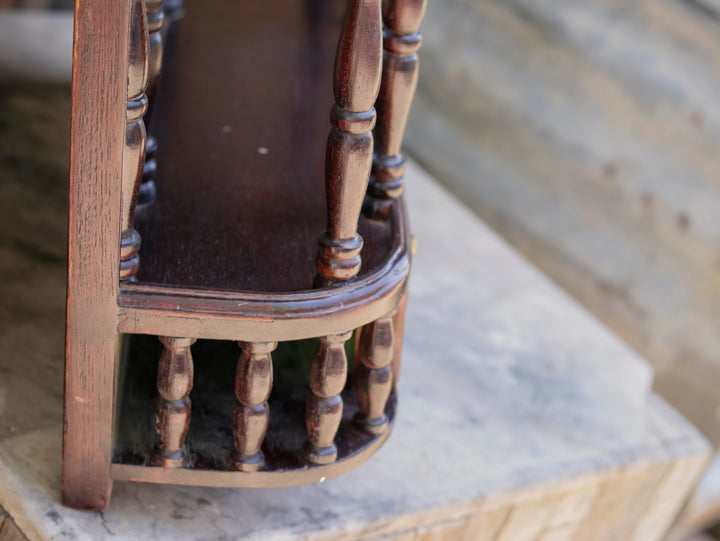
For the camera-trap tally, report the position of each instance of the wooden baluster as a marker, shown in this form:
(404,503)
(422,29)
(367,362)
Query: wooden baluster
(399,330)
(253,383)
(328,375)
(148,192)
(135,138)
(155,17)
(173,10)
(174,381)
(402,40)
(375,351)
(348,159)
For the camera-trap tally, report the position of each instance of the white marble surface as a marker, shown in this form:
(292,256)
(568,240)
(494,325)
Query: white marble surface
(506,384)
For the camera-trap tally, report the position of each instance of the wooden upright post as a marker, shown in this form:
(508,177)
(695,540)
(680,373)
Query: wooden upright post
(350,146)
(99,94)
(401,40)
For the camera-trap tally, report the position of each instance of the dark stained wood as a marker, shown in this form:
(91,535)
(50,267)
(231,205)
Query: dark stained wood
(402,40)
(274,478)
(210,440)
(324,409)
(270,67)
(253,384)
(229,251)
(174,383)
(135,138)
(147,191)
(350,145)
(248,316)
(375,350)
(399,327)
(99,94)
(155,19)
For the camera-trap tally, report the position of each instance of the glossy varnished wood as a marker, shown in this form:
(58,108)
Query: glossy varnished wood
(155,20)
(324,409)
(350,145)
(401,41)
(249,316)
(211,441)
(174,383)
(229,248)
(135,138)
(253,384)
(374,354)
(257,479)
(253,152)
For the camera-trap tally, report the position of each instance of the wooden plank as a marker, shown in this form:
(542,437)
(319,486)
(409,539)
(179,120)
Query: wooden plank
(97,139)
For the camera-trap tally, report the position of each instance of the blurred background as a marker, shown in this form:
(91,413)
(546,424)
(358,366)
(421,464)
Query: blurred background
(586,133)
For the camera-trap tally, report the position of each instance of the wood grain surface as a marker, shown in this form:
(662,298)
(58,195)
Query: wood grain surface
(96,161)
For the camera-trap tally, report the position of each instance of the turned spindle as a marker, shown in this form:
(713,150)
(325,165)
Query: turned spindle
(135,138)
(173,10)
(328,374)
(399,332)
(348,159)
(253,383)
(375,351)
(174,382)
(155,18)
(401,42)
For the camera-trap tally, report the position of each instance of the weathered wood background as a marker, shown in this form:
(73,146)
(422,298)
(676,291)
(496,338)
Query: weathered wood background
(588,135)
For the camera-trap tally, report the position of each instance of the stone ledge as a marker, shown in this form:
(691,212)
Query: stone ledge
(519,414)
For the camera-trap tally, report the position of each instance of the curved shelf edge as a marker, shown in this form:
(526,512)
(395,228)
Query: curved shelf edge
(230,315)
(261,479)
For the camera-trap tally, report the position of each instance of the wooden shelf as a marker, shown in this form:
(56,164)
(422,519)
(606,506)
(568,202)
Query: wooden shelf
(250,182)
(242,120)
(210,438)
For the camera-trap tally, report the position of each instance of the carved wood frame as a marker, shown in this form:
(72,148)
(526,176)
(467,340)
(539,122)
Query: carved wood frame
(103,303)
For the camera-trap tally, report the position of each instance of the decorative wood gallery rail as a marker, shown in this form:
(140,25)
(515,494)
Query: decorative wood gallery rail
(135,138)
(355,289)
(350,146)
(155,20)
(402,40)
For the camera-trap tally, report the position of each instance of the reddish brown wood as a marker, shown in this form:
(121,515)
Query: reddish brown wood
(135,138)
(262,98)
(174,382)
(350,145)
(259,479)
(401,41)
(155,20)
(96,152)
(253,384)
(399,326)
(328,374)
(375,350)
(225,255)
